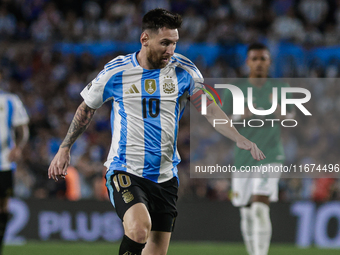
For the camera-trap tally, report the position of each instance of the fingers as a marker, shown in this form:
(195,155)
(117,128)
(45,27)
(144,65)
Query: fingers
(50,170)
(57,169)
(56,174)
(64,172)
(53,172)
(257,153)
(262,155)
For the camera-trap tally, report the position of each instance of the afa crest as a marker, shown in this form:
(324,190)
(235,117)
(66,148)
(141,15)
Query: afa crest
(127,196)
(150,86)
(168,86)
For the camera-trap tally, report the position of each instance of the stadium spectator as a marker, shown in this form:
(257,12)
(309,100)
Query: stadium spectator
(193,25)
(7,23)
(288,27)
(314,11)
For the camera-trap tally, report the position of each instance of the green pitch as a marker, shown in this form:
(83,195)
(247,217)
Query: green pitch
(176,248)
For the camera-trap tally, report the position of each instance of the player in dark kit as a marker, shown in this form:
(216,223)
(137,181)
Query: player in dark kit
(148,90)
(254,193)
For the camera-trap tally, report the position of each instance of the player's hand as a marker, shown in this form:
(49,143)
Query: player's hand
(15,154)
(245,144)
(59,165)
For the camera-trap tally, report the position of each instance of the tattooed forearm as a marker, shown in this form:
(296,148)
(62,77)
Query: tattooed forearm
(80,122)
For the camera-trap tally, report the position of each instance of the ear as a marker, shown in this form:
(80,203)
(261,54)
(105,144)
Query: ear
(144,39)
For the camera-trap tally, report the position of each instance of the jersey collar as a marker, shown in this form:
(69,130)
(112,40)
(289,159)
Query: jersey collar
(134,59)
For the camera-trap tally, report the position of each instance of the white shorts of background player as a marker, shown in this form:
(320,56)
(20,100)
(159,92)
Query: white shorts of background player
(246,184)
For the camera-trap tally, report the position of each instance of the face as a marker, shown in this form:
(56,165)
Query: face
(160,47)
(258,62)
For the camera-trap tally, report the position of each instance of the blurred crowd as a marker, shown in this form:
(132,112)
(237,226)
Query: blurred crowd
(49,83)
(309,22)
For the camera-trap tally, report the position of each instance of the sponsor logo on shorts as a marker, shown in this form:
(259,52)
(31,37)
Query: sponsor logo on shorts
(127,196)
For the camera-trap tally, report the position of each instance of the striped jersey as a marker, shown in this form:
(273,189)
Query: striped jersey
(146,108)
(12,114)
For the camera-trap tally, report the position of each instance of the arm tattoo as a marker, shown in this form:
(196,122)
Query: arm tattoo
(79,124)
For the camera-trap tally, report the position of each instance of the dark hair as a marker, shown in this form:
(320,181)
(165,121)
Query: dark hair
(159,18)
(257,46)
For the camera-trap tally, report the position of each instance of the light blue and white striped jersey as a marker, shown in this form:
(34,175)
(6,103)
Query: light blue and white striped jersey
(146,108)
(12,114)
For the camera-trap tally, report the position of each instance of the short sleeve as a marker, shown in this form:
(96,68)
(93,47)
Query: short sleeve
(94,94)
(20,116)
(196,84)
(194,79)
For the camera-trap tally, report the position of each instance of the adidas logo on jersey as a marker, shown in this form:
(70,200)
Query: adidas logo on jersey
(133,89)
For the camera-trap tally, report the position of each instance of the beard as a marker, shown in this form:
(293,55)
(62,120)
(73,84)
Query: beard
(155,61)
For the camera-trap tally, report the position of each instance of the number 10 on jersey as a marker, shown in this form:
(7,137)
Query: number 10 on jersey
(150,107)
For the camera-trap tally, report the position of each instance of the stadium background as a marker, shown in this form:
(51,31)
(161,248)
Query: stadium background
(51,49)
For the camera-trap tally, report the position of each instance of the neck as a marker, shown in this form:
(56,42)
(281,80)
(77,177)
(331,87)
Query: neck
(143,60)
(257,81)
